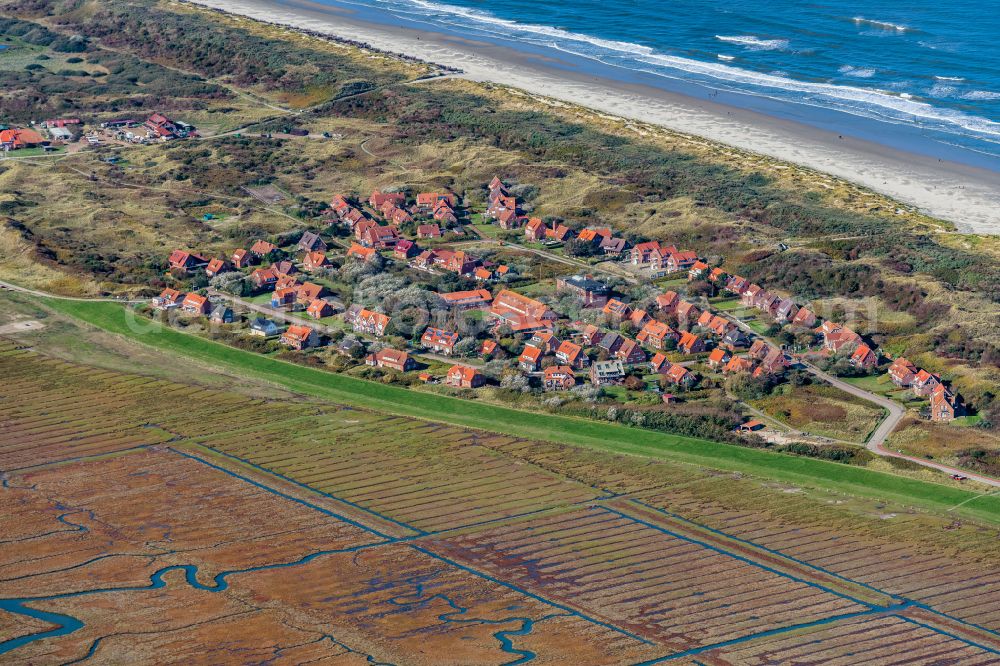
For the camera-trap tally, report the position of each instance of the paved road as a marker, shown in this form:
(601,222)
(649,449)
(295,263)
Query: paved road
(894,414)
(876,442)
(287,317)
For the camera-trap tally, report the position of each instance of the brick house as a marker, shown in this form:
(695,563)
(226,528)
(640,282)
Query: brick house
(944,405)
(590,292)
(558,378)
(667,302)
(464,376)
(314,261)
(379,199)
(642,253)
(319,309)
(687,312)
(691,344)
(924,383)
(655,334)
(718,358)
(535,229)
(439,340)
(571,354)
(428,231)
(863,357)
(264,278)
(360,252)
(659,363)
(215,267)
(299,337)
(262,249)
(186,261)
(168,298)
(902,372)
(196,304)
(630,352)
(242,259)
(367,321)
(679,375)
(530,359)
(592,335)
(392,359)
(474,299)
(804,318)
(737,365)
(837,337)
(311,242)
(617,310)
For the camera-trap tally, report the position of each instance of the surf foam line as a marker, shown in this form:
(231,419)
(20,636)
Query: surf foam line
(864,102)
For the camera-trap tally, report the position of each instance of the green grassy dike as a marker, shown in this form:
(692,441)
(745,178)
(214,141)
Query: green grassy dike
(610,437)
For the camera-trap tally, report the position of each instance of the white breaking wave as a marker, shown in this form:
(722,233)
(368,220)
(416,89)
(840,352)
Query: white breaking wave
(857,72)
(755,43)
(727,58)
(855,100)
(942,90)
(949,78)
(885,25)
(531,28)
(981,95)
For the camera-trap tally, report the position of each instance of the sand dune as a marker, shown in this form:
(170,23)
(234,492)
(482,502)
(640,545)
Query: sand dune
(966,196)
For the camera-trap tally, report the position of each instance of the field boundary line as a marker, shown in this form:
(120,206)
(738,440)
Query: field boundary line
(746,560)
(762,634)
(288,479)
(770,551)
(949,634)
(912,603)
(529,593)
(284,495)
(81,459)
(972,499)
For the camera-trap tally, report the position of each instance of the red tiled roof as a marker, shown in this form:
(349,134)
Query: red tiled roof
(531,353)
(471,295)
(717,355)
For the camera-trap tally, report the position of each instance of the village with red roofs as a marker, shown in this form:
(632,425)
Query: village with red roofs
(440,293)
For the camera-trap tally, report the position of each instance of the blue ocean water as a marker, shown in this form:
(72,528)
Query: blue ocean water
(928,65)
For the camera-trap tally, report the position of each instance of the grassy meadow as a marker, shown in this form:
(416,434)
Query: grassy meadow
(602,436)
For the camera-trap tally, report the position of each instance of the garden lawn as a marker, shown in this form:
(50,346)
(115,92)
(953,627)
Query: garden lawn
(879,384)
(615,438)
(727,304)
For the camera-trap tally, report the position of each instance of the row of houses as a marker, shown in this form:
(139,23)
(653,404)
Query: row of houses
(660,259)
(505,210)
(944,405)
(530,317)
(393,209)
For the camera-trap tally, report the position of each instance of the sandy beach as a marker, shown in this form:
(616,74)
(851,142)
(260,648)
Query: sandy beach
(968,197)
